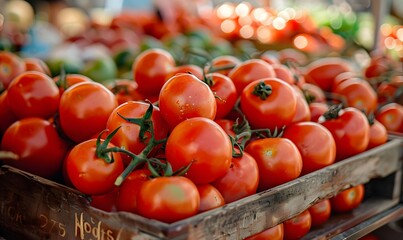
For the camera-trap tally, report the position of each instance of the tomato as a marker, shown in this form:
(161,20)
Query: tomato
(11,65)
(150,69)
(323,71)
(378,66)
(125,90)
(249,71)
(227,125)
(33,94)
(292,55)
(278,160)
(269,58)
(350,130)
(283,73)
(204,144)
(391,116)
(320,212)
(378,134)
(302,111)
(268,98)
(224,61)
(210,197)
(313,93)
(187,68)
(388,91)
(168,199)
(7,116)
(225,93)
(241,179)
(105,202)
(128,191)
(273,233)
(84,110)
(317,109)
(370,237)
(128,135)
(70,80)
(348,199)
(298,226)
(184,96)
(341,78)
(315,144)
(358,93)
(39,148)
(36,64)
(89,173)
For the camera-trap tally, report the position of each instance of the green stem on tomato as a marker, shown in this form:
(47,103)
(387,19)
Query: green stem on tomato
(262,90)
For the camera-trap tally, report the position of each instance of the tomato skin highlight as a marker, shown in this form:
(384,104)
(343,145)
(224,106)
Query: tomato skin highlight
(391,116)
(40,149)
(348,199)
(203,143)
(168,199)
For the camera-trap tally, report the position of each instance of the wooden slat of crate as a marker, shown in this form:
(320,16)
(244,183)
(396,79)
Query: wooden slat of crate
(46,209)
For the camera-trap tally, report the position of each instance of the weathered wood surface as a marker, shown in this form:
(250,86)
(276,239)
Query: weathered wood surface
(41,209)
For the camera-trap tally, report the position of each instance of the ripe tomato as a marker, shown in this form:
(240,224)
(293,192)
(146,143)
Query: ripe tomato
(70,80)
(90,173)
(225,93)
(39,148)
(184,96)
(128,135)
(11,65)
(320,212)
(273,233)
(378,134)
(350,130)
(317,110)
(249,71)
(33,94)
(84,110)
(323,71)
(313,93)
(210,197)
(7,116)
(284,73)
(223,61)
(150,69)
(278,160)
(298,226)
(36,64)
(168,199)
(348,199)
(187,68)
(105,202)
(268,98)
(359,94)
(292,55)
(125,90)
(227,125)
(128,191)
(241,179)
(314,142)
(391,116)
(302,111)
(341,78)
(204,144)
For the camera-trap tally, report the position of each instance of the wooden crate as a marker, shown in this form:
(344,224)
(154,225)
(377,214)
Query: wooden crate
(36,208)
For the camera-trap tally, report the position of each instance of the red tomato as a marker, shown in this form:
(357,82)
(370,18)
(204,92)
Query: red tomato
(7,116)
(278,160)
(249,71)
(183,97)
(105,202)
(39,148)
(210,197)
(313,93)
(378,134)
(227,125)
(70,80)
(11,65)
(269,98)
(90,173)
(341,78)
(224,61)
(317,109)
(241,179)
(128,135)
(292,55)
(283,73)
(273,233)
(298,226)
(391,116)
(84,110)
(269,58)
(315,144)
(302,112)
(33,94)
(203,143)
(36,64)
(150,69)
(323,71)
(320,212)
(168,199)
(225,93)
(358,93)
(188,68)
(350,130)
(125,90)
(128,191)
(348,199)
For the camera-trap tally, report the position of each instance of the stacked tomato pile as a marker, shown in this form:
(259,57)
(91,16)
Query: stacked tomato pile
(177,140)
